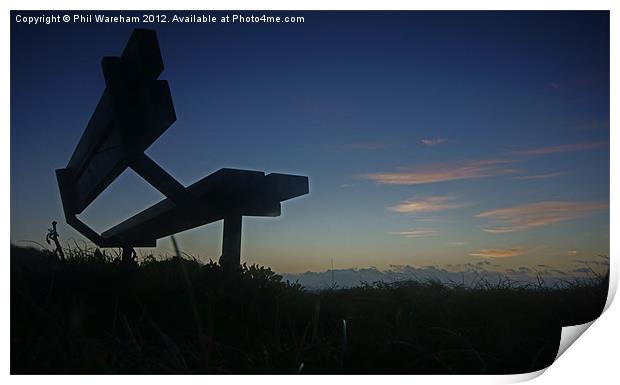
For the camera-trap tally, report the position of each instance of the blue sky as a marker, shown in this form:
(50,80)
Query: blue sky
(429,138)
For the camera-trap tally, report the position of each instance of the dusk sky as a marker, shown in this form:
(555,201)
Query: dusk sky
(428,138)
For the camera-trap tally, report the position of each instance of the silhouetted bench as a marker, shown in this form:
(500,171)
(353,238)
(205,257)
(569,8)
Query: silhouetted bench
(134,110)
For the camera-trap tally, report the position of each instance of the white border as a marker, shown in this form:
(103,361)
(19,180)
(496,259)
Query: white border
(593,360)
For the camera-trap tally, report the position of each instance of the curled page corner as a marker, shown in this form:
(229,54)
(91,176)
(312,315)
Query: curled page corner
(613,284)
(519,378)
(570,335)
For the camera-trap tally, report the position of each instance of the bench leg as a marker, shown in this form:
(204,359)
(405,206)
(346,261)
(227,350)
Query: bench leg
(231,242)
(129,255)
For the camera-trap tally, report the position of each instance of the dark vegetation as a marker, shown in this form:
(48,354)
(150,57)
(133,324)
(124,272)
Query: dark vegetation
(95,314)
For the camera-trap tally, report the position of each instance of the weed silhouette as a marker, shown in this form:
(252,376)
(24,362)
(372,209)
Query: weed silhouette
(52,235)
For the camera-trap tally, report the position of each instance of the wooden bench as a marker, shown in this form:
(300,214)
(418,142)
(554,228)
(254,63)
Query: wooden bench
(133,111)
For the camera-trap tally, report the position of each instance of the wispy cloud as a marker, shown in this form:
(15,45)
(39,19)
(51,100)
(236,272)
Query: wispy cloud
(426,205)
(443,172)
(471,169)
(417,233)
(541,176)
(532,215)
(562,148)
(432,141)
(499,253)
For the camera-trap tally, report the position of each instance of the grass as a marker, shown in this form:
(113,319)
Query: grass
(94,314)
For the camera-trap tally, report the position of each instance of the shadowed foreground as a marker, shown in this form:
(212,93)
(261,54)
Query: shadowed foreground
(93,314)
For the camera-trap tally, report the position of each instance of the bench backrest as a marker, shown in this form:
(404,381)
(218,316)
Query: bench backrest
(134,110)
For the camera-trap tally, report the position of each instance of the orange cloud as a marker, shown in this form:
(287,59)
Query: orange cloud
(561,148)
(432,142)
(417,233)
(499,253)
(443,172)
(532,215)
(426,205)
